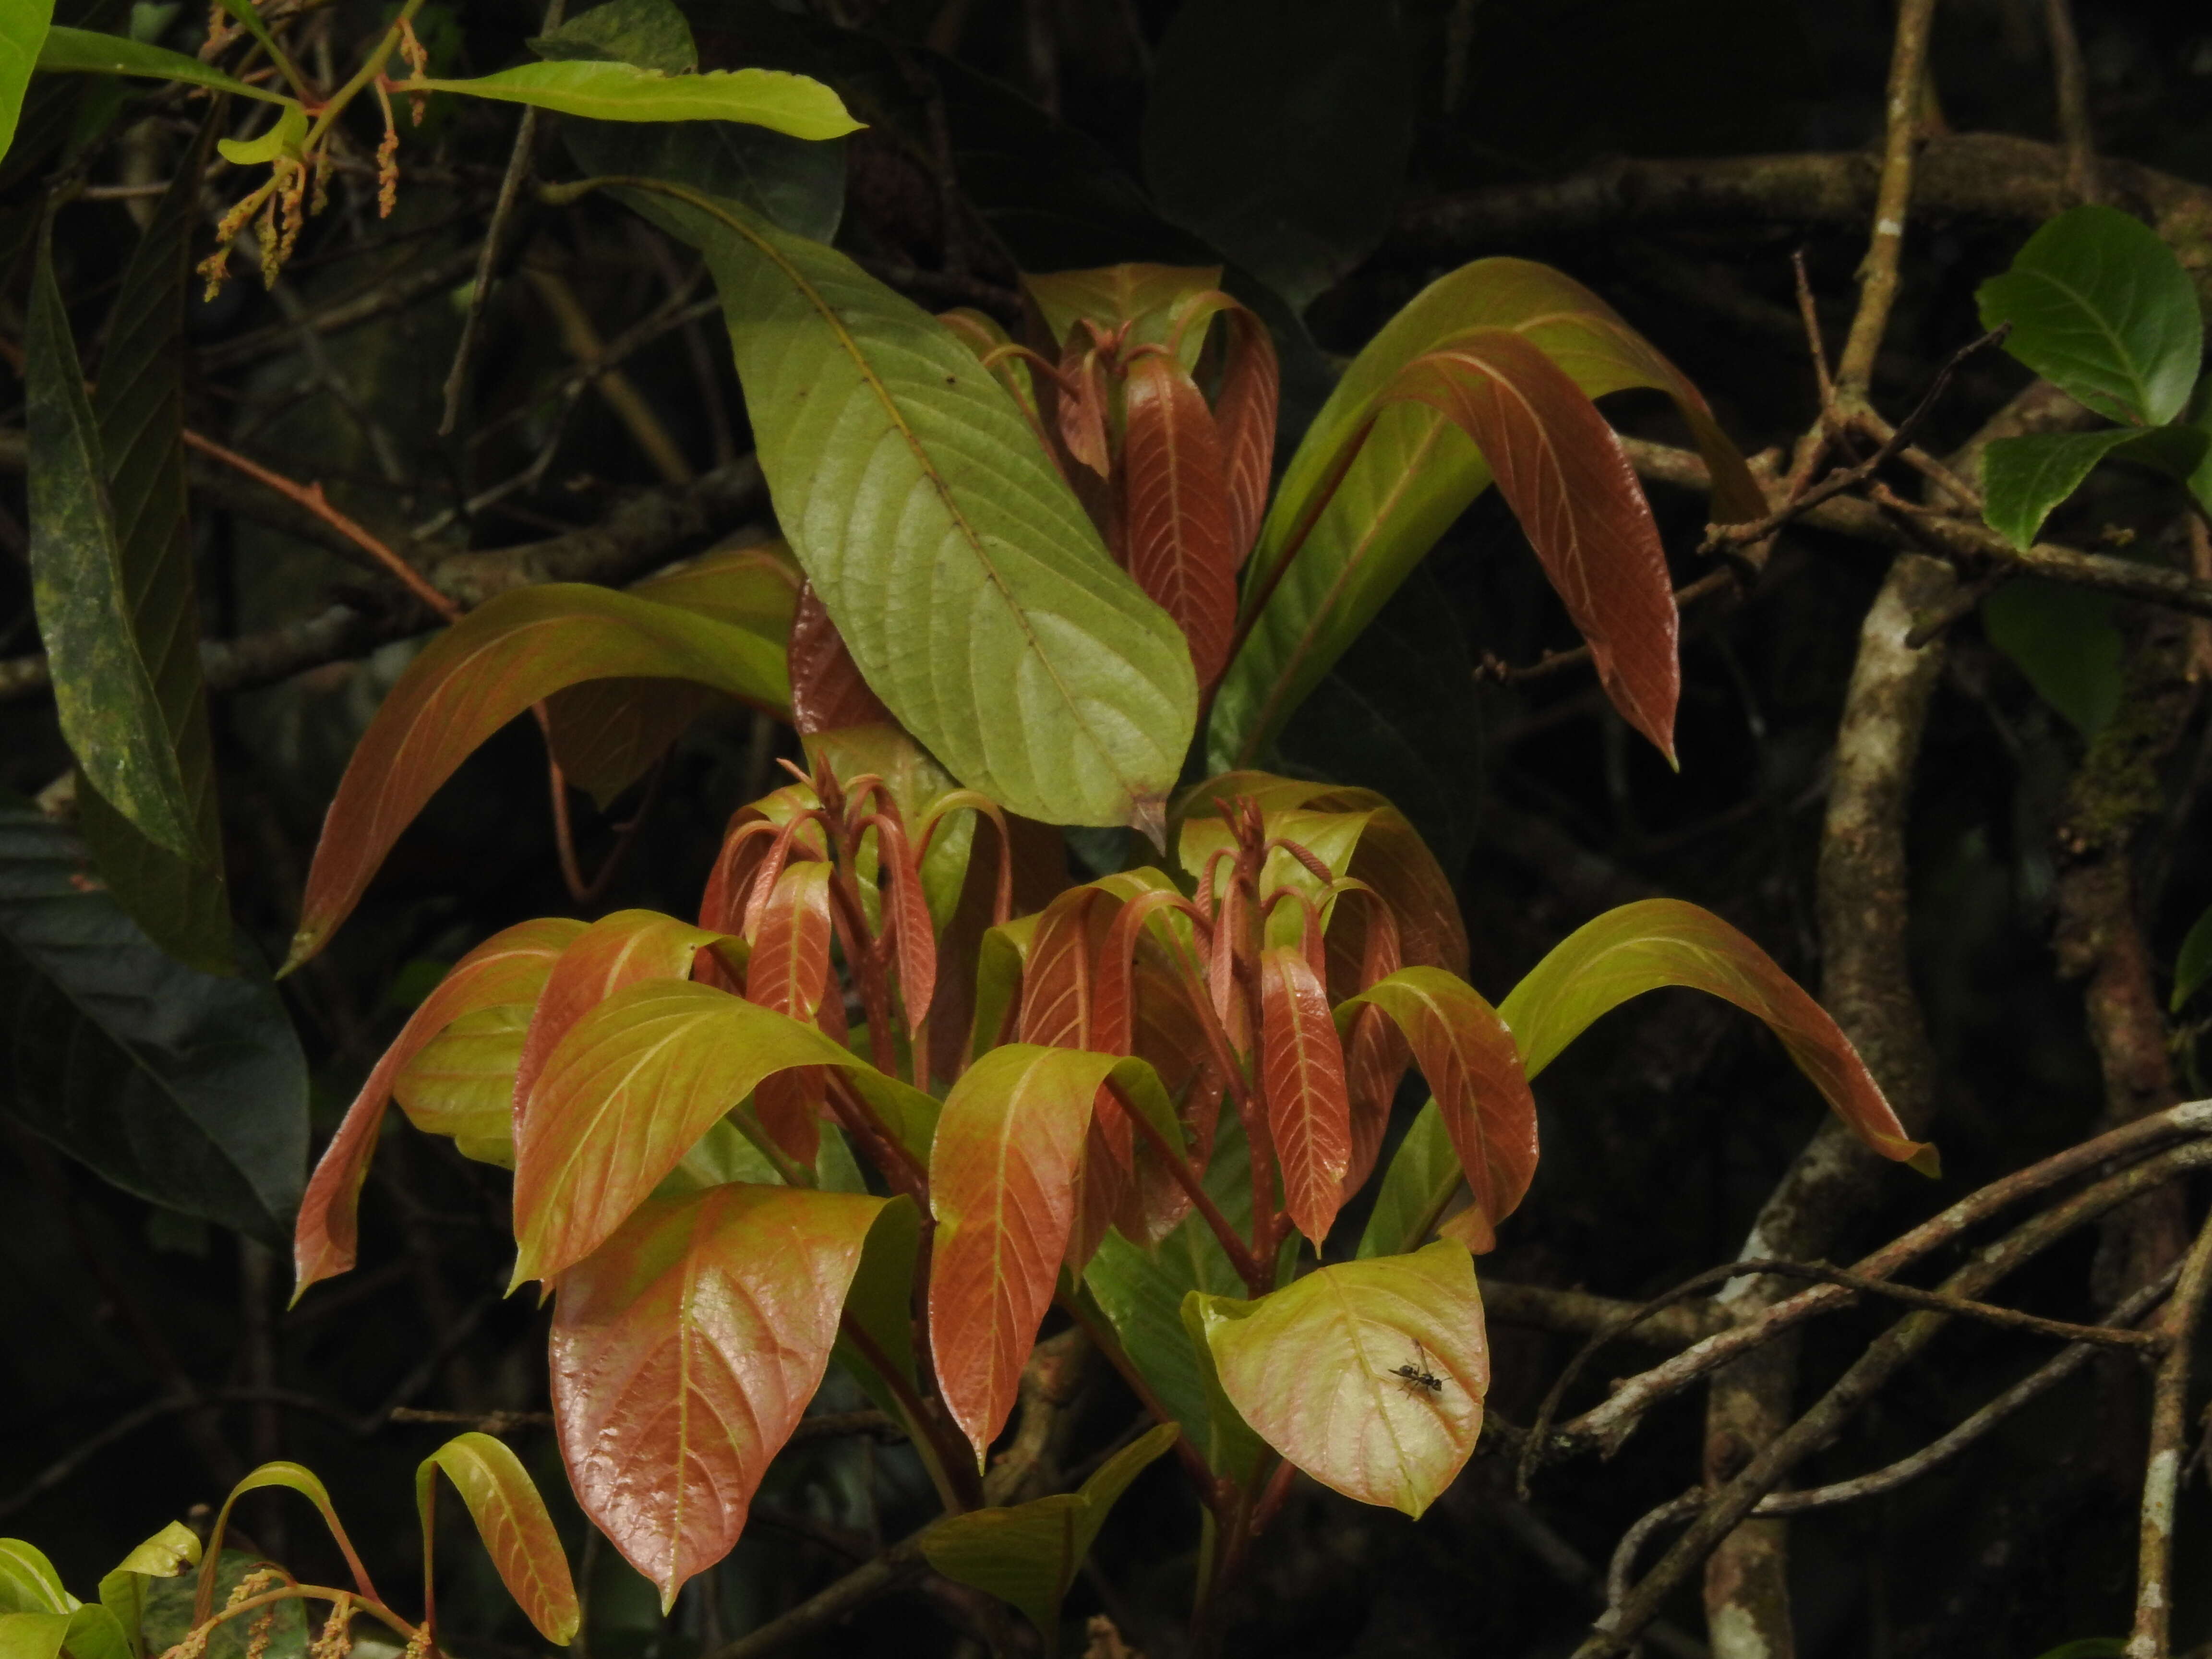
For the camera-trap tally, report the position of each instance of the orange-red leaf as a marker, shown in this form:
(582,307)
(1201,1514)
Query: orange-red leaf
(1569,481)
(1473,1067)
(1181,541)
(509,967)
(827,691)
(789,972)
(1244,410)
(616,950)
(1060,977)
(1302,1075)
(1002,1174)
(685,1350)
(511,1518)
(1657,942)
(913,935)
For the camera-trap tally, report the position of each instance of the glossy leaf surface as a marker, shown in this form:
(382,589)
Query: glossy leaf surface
(182,1087)
(511,1519)
(966,580)
(479,674)
(509,968)
(1002,1175)
(631,1088)
(110,713)
(828,692)
(1656,942)
(179,898)
(613,91)
(613,951)
(1470,1061)
(2100,307)
(1314,1368)
(1181,546)
(685,1351)
(1028,1554)
(1302,1075)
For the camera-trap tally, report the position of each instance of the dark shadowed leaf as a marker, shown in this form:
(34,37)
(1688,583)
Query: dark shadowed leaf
(653,34)
(2065,641)
(184,1088)
(915,497)
(2193,966)
(2025,479)
(1029,1554)
(685,1351)
(2100,307)
(512,1520)
(1315,1368)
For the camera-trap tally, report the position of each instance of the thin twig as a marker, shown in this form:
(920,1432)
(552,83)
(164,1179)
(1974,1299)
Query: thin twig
(1908,76)
(2071,83)
(2169,1430)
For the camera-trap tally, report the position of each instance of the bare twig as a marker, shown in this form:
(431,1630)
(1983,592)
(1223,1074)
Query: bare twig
(894,1567)
(2071,83)
(2169,1428)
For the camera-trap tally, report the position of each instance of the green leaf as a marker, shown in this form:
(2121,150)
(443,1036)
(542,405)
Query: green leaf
(123,1591)
(82,51)
(1413,474)
(923,509)
(621,92)
(2065,641)
(1659,942)
(1423,1174)
(1317,1369)
(182,902)
(186,1088)
(488,667)
(29,1583)
(653,34)
(21,30)
(461,1083)
(1140,1292)
(282,139)
(2024,479)
(1280,133)
(1028,1554)
(2194,965)
(2100,307)
(111,714)
(511,1519)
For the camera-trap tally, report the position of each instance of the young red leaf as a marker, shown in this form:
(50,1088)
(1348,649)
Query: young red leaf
(1319,1370)
(685,1351)
(827,691)
(1375,1060)
(913,935)
(507,967)
(1657,942)
(1244,410)
(1301,1076)
(1569,481)
(631,1088)
(1060,976)
(1082,413)
(617,951)
(1179,536)
(512,1520)
(1474,1068)
(1002,1176)
(789,972)
(496,662)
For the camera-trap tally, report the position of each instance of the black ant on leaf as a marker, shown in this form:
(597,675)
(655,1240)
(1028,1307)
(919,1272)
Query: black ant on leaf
(1417,1376)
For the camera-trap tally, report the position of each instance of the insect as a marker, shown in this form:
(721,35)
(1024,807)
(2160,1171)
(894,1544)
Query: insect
(1417,1376)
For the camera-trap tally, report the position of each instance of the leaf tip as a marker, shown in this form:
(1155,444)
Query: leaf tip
(1150,816)
(1926,1160)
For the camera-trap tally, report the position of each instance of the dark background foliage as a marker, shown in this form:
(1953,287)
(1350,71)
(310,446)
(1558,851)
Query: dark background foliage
(149,1358)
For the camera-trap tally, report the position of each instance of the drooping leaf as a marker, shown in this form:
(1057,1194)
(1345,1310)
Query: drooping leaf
(922,509)
(110,712)
(1002,1175)
(511,1519)
(168,1553)
(1301,1076)
(633,1085)
(186,1089)
(2065,641)
(507,968)
(1028,1554)
(516,648)
(1175,516)
(278,1474)
(21,31)
(2024,479)
(181,901)
(29,1583)
(1413,474)
(1317,1368)
(2100,307)
(1470,1061)
(615,91)
(1280,133)
(83,51)
(1656,942)
(685,1351)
